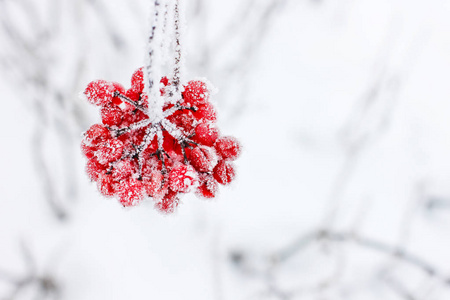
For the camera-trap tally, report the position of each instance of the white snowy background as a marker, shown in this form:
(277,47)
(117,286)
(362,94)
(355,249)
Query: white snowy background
(343,186)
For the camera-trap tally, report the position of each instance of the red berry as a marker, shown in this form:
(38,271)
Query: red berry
(133,95)
(165,81)
(206,134)
(224,172)
(139,116)
(94,169)
(87,150)
(208,187)
(206,112)
(154,184)
(203,159)
(184,120)
(169,203)
(123,170)
(182,178)
(111,115)
(96,134)
(105,185)
(137,81)
(228,147)
(109,151)
(130,192)
(99,92)
(118,88)
(169,142)
(195,93)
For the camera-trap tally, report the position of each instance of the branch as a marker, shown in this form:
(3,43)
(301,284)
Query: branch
(129,101)
(151,51)
(178,50)
(134,126)
(363,242)
(44,284)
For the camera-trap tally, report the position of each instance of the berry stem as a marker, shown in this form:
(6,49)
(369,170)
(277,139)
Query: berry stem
(152,67)
(134,103)
(165,39)
(151,50)
(160,153)
(178,51)
(177,134)
(134,126)
(149,135)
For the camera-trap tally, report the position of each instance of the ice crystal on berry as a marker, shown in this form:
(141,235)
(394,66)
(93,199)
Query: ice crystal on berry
(133,154)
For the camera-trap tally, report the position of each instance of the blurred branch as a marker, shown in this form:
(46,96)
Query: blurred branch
(252,22)
(363,242)
(372,116)
(398,288)
(45,286)
(435,203)
(48,184)
(102,12)
(265,268)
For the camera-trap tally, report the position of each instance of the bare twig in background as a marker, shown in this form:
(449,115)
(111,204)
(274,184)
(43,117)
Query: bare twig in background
(368,243)
(253,21)
(435,203)
(371,117)
(397,287)
(283,257)
(44,286)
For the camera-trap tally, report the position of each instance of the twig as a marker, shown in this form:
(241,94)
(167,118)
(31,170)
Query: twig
(363,242)
(129,101)
(399,289)
(45,284)
(178,50)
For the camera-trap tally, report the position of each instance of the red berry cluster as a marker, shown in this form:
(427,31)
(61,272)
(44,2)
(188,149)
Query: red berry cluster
(131,156)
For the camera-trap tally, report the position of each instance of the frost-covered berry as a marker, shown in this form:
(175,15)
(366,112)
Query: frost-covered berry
(228,147)
(203,159)
(206,134)
(224,172)
(130,192)
(165,81)
(94,169)
(154,184)
(182,178)
(133,95)
(118,88)
(185,120)
(206,112)
(99,92)
(88,151)
(105,184)
(208,187)
(169,203)
(96,134)
(109,151)
(137,81)
(195,93)
(123,169)
(111,115)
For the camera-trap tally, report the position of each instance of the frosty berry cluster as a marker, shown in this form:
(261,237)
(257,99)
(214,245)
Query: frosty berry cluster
(133,155)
